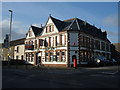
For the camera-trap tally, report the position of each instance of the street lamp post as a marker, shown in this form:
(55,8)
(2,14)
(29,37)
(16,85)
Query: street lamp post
(10,34)
(10,23)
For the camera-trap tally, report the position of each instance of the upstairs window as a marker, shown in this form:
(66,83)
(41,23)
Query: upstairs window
(56,42)
(40,42)
(46,29)
(45,42)
(49,28)
(46,56)
(17,49)
(30,33)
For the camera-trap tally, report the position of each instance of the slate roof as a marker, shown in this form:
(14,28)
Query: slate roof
(77,24)
(17,42)
(57,22)
(37,31)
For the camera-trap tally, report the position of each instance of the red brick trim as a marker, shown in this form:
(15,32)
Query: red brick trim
(49,41)
(35,44)
(63,32)
(48,35)
(39,43)
(68,38)
(52,27)
(49,50)
(65,39)
(35,59)
(56,40)
(79,46)
(48,56)
(60,39)
(53,41)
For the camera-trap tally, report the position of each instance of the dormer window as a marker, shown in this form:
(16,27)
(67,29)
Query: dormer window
(30,33)
(49,28)
(46,29)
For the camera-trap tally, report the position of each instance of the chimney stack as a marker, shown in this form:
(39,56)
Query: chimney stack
(41,25)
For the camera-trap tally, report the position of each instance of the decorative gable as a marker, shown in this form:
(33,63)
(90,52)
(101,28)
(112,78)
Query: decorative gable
(30,33)
(50,27)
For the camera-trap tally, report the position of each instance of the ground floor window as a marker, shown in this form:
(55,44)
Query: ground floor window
(83,56)
(63,56)
(46,56)
(51,56)
(86,55)
(17,57)
(30,57)
(58,56)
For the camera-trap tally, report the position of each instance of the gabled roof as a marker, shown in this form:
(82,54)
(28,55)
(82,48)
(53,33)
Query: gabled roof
(37,31)
(58,23)
(77,24)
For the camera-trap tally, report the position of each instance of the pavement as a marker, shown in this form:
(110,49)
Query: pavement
(82,77)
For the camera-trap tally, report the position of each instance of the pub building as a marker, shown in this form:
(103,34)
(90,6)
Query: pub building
(59,42)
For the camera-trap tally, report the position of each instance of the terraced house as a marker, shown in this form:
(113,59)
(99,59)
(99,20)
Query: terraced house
(59,42)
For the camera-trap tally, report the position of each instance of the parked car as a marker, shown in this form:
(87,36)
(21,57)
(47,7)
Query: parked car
(113,62)
(100,61)
(107,62)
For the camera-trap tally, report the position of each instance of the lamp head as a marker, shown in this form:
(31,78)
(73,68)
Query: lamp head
(10,10)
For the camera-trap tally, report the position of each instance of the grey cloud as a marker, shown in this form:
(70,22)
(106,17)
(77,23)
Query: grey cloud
(112,33)
(17,30)
(111,21)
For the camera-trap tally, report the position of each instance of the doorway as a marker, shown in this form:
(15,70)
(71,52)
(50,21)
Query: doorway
(39,60)
(22,57)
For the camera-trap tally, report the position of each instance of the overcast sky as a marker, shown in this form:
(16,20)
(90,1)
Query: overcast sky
(103,15)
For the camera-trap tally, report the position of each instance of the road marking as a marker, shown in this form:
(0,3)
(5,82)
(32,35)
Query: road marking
(111,73)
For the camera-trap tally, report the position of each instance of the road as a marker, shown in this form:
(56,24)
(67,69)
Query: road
(83,77)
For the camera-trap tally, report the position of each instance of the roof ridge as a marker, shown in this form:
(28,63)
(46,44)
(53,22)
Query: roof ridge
(55,18)
(35,26)
(69,19)
(77,23)
(71,24)
(18,39)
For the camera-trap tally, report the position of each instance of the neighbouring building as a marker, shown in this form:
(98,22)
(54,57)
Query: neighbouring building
(59,42)
(115,51)
(15,51)
(117,46)
(1,51)
(19,50)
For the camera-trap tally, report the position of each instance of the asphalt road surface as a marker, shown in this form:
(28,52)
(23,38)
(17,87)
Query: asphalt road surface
(83,77)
